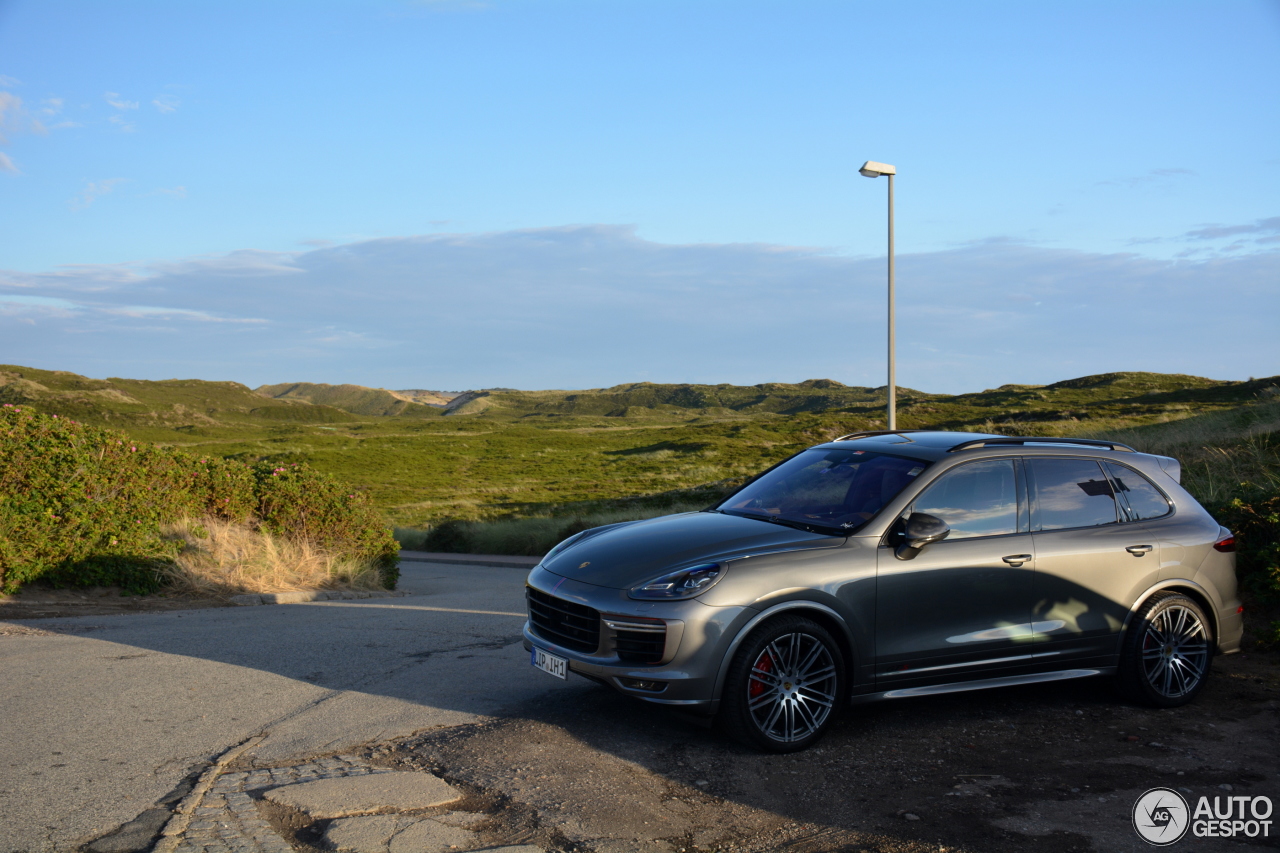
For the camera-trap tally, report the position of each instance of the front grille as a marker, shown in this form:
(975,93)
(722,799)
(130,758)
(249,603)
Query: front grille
(640,646)
(574,626)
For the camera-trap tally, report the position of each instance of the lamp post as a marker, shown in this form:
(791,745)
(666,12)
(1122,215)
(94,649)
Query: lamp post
(872,169)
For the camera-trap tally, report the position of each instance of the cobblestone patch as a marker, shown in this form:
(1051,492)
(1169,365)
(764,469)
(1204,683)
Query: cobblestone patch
(228,820)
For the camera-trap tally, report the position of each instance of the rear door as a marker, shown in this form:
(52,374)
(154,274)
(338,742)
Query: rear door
(1090,559)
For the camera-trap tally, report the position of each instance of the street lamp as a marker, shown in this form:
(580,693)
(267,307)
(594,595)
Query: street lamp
(872,169)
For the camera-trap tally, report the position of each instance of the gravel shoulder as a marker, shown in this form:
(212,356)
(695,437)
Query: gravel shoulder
(1056,767)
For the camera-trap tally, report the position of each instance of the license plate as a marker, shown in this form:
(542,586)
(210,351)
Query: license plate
(547,662)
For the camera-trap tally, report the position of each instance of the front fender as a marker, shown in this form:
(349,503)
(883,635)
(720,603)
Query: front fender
(832,616)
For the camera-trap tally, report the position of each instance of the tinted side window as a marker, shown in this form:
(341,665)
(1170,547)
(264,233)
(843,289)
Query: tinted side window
(1070,493)
(979,499)
(1144,499)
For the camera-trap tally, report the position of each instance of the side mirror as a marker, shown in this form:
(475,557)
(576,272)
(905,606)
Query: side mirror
(921,530)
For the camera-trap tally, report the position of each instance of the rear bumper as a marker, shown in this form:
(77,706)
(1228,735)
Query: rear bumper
(1230,628)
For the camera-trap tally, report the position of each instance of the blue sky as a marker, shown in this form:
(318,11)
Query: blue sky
(543,194)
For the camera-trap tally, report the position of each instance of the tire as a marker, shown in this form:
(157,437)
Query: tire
(785,686)
(1165,655)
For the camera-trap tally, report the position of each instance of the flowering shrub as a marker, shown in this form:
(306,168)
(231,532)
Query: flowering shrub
(83,506)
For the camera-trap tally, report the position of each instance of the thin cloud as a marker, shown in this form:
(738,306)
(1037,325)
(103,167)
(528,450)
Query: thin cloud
(123,124)
(114,99)
(12,115)
(166,103)
(51,106)
(148,311)
(1269,229)
(9,82)
(38,301)
(6,165)
(1155,176)
(93,191)
(591,306)
(176,192)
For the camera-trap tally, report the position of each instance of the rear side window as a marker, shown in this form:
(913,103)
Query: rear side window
(978,499)
(1143,499)
(1070,493)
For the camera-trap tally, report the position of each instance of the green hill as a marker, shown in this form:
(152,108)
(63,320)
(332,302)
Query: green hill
(499,451)
(1125,398)
(356,399)
(171,403)
(647,399)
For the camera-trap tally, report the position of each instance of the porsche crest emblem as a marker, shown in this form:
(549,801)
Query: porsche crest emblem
(584,565)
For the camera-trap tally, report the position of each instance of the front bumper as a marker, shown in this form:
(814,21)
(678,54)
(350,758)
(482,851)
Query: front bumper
(698,638)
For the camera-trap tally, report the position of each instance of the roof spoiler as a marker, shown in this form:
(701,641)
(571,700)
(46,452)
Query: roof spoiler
(1086,442)
(1172,467)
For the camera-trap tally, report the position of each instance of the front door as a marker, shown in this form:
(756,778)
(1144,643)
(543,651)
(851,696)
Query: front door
(963,605)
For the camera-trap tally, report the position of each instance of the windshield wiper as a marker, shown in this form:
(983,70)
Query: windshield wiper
(786,522)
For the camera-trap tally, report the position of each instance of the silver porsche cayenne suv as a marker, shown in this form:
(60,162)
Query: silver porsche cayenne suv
(893,564)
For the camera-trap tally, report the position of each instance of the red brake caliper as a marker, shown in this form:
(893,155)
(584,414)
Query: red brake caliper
(764,664)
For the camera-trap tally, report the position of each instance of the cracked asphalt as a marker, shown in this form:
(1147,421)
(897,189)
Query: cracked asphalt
(105,716)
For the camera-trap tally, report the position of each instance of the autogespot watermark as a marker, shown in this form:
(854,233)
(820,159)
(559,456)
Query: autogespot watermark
(1162,816)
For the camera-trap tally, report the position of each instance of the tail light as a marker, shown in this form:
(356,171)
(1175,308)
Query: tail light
(1225,544)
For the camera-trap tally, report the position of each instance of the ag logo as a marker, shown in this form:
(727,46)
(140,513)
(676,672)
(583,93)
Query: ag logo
(1161,817)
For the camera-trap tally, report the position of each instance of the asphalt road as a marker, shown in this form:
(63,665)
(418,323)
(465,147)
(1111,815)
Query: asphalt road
(102,716)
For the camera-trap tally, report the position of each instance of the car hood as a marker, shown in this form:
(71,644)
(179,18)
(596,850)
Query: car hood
(624,556)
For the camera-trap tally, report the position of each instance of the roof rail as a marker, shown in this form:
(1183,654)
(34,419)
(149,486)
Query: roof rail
(1087,442)
(868,433)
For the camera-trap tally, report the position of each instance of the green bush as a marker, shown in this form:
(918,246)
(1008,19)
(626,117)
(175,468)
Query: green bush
(295,500)
(1256,525)
(83,506)
(530,536)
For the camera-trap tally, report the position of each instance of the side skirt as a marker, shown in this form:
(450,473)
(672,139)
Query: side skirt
(983,684)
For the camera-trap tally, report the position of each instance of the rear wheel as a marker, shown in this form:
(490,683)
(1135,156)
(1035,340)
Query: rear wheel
(1165,658)
(785,686)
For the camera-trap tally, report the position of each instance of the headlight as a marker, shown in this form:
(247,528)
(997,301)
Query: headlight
(685,583)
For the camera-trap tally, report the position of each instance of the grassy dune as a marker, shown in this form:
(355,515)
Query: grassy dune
(574,454)
(1225,455)
(356,399)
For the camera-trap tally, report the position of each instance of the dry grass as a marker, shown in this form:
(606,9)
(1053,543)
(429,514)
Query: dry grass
(1223,454)
(218,558)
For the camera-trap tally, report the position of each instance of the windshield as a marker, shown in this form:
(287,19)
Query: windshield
(839,489)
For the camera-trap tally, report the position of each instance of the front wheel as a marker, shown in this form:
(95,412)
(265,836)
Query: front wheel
(785,686)
(1165,658)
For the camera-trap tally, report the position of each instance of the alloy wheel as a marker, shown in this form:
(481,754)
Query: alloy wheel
(1175,651)
(791,687)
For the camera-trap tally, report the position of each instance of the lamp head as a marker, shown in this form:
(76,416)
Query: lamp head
(872,169)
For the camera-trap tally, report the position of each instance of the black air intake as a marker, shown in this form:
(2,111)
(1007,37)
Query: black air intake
(574,626)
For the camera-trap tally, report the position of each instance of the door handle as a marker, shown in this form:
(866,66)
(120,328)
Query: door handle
(1138,550)
(1016,560)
